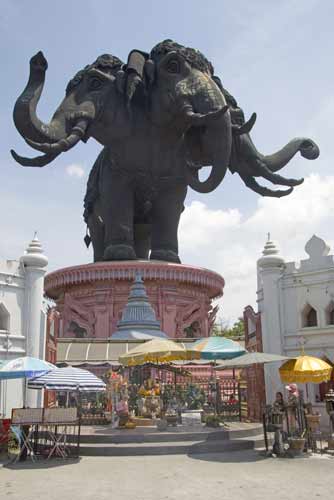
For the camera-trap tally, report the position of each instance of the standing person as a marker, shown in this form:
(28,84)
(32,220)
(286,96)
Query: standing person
(279,403)
(279,407)
(292,407)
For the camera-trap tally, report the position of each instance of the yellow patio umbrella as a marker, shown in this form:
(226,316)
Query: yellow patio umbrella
(305,369)
(158,351)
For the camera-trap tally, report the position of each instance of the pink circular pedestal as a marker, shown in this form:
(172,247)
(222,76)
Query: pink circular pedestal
(90,298)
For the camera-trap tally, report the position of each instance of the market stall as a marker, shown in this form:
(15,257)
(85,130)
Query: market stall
(24,368)
(294,422)
(145,398)
(158,386)
(77,388)
(44,432)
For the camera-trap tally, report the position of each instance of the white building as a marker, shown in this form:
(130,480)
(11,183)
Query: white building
(296,304)
(22,321)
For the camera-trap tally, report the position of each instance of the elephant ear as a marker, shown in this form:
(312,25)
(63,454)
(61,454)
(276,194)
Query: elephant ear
(135,70)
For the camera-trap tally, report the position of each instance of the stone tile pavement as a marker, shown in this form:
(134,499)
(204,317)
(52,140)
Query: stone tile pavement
(234,476)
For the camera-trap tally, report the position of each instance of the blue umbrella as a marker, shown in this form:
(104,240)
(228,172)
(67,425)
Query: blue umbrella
(213,348)
(25,367)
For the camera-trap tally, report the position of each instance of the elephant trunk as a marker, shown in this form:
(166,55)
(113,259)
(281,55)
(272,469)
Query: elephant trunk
(25,117)
(307,148)
(208,139)
(219,155)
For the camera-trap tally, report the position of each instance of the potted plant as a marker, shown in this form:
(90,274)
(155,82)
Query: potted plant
(212,420)
(195,397)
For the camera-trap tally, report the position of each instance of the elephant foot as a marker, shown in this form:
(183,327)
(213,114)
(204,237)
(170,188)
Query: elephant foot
(166,255)
(119,252)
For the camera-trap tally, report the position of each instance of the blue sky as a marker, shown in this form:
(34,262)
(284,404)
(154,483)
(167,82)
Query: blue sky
(276,57)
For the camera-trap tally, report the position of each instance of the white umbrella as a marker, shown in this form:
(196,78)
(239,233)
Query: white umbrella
(68,379)
(249,359)
(25,367)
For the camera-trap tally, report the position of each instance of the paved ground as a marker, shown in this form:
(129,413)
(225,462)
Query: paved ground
(234,476)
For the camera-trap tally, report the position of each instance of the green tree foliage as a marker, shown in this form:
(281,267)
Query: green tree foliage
(224,330)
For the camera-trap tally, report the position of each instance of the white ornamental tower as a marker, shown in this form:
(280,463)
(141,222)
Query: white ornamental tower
(34,262)
(270,268)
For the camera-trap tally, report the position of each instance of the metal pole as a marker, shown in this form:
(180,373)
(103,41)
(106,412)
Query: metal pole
(216,388)
(25,392)
(265,431)
(4,382)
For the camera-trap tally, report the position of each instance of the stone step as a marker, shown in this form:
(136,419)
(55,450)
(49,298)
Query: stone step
(158,437)
(170,448)
(110,436)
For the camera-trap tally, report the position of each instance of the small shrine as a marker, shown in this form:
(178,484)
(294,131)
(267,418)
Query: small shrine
(138,320)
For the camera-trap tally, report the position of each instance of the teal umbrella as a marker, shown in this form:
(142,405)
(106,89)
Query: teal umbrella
(213,348)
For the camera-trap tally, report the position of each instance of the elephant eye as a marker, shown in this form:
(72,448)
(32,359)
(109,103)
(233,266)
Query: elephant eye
(173,66)
(95,84)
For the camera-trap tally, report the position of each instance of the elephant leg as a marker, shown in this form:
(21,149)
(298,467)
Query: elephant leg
(263,171)
(96,231)
(142,238)
(95,225)
(166,212)
(117,200)
(263,191)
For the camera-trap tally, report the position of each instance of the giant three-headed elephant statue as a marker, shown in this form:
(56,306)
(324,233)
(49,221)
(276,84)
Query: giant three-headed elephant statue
(161,117)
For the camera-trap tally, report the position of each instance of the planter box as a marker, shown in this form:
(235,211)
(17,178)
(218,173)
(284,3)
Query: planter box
(171,419)
(331,443)
(297,445)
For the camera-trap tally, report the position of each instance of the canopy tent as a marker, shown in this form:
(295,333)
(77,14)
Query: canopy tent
(214,348)
(249,359)
(305,369)
(25,367)
(68,379)
(96,352)
(157,351)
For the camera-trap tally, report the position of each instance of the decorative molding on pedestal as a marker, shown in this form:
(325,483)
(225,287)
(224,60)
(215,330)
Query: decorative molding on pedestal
(57,281)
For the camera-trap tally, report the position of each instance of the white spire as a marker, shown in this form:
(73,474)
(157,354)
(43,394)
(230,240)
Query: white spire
(34,256)
(270,255)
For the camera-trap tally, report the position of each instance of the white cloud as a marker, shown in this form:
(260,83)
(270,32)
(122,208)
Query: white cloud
(75,170)
(230,243)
